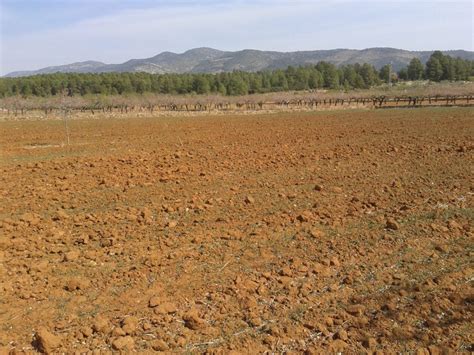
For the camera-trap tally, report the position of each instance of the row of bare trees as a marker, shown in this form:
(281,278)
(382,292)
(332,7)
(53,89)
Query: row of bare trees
(284,100)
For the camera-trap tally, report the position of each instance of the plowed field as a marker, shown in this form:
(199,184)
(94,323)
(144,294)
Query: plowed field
(323,232)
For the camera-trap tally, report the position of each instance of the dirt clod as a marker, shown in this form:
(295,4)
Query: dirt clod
(46,341)
(123,343)
(392,224)
(194,321)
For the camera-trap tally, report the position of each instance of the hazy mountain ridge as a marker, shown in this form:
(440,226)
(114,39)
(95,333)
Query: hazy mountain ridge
(209,60)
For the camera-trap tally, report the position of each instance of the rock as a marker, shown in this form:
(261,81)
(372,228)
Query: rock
(87,331)
(123,343)
(369,343)
(341,334)
(77,283)
(154,302)
(453,225)
(422,351)
(305,216)
(31,218)
(356,310)
(146,326)
(316,233)
(392,224)
(193,321)
(249,199)
(159,345)
(285,271)
(442,247)
(434,350)
(60,215)
(318,187)
(100,325)
(389,306)
(130,325)
(118,332)
(46,341)
(329,321)
(71,256)
(337,346)
(166,308)
(172,224)
(334,262)
(83,239)
(147,215)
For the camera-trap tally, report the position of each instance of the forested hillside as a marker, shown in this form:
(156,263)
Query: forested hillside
(322,75)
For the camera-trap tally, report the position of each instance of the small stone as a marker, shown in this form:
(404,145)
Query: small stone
(71,256)
(442,247)
(334,261)
(30,218)
(172,224)
(389,306)
(166,308)
(341,334)
(356,310)
(369,343)
(60,215)
(337,346)
(87,331)
(130,325)
(123,343)
(318,187)
(285,271)
(193,321)
(453,225)
(118,332)
(154,302)
(146,326)
(46,341)
(159,345)
(83,239)
(306,216)
(434,350)
(329,321)
(101,325)
(316,233)
(392,224)
(249,199)
(146,214)
(77,283)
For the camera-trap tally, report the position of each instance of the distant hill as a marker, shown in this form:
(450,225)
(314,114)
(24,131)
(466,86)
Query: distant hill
(208,60)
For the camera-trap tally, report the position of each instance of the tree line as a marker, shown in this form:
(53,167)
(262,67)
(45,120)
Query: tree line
(323,75)
(439,67)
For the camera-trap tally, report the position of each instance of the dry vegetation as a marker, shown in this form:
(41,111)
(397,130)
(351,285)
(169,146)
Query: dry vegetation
(323,232)
(12,108)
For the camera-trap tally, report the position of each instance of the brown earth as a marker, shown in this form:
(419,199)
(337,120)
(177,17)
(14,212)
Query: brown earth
(307,232)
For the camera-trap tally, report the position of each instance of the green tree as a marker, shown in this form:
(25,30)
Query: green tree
(403,74)
(329,73)
(201,85)
(415,69)
(369,75)
(434,70)
(385,73)
(237,86)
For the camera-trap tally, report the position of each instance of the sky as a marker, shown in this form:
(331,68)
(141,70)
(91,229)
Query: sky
(39,33)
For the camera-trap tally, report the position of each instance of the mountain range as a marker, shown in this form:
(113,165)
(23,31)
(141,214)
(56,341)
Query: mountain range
(208,60)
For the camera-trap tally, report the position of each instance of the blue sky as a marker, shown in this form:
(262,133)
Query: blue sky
(39,33)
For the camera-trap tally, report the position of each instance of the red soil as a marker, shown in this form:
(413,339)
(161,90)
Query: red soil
(318,232)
